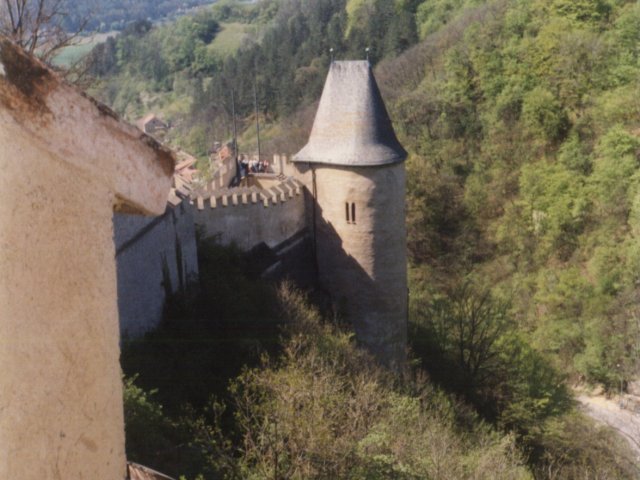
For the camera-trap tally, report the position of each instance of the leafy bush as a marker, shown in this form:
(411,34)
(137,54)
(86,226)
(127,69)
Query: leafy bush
(169,444)
(207,336)
(588,11)
(544,115)
(573,448)
(469,342)
(324,409)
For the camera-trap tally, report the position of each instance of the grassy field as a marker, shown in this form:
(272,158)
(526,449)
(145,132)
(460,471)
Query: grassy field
(230,38)
(226,43)
(73,53)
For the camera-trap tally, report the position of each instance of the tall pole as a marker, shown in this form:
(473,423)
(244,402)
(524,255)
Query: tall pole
(235,130)
(235,135)
(255,101)
(255,105)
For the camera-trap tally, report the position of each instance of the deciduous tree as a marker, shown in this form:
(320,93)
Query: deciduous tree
(37,25)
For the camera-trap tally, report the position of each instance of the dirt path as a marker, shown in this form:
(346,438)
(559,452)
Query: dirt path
(623,420)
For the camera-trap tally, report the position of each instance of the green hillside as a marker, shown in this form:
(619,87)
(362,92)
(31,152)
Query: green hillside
(106,15)
(73,54)
(230,39)
(522,121)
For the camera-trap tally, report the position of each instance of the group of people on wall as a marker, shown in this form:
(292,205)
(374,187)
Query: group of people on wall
(253,165)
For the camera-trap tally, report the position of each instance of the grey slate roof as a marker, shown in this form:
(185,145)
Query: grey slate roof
(352,126)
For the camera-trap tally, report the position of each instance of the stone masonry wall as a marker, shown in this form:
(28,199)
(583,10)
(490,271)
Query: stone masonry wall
(249,216)
(362,261)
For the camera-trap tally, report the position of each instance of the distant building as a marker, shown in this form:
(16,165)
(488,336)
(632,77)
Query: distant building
(185,169)
(225,152)
(151,124)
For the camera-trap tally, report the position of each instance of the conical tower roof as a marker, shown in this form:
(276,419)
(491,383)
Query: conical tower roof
(352,126)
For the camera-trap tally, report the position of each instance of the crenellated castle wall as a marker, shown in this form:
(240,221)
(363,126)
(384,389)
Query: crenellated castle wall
(158,256)
(249,216)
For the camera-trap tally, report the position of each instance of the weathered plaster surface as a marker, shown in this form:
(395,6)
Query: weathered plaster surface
(60,393)
(84,133)
(65,163)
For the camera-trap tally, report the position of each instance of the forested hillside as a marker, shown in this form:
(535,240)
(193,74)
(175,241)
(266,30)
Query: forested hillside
(285,52)
(107,15)
(522,120)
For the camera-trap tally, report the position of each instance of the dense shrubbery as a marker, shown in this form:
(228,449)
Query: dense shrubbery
(207,337)
(324,409)
(320,409)
(470,343)
(224,324)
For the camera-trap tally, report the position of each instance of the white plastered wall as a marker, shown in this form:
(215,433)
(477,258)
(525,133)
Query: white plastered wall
(65,163)
(60,406)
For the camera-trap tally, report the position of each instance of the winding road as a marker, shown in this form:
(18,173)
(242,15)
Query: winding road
(617,414)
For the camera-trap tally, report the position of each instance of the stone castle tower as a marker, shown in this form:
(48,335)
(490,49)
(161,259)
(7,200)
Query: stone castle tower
(357,181)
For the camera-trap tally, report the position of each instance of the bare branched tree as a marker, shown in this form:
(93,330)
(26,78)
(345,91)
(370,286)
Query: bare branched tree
(37,25)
